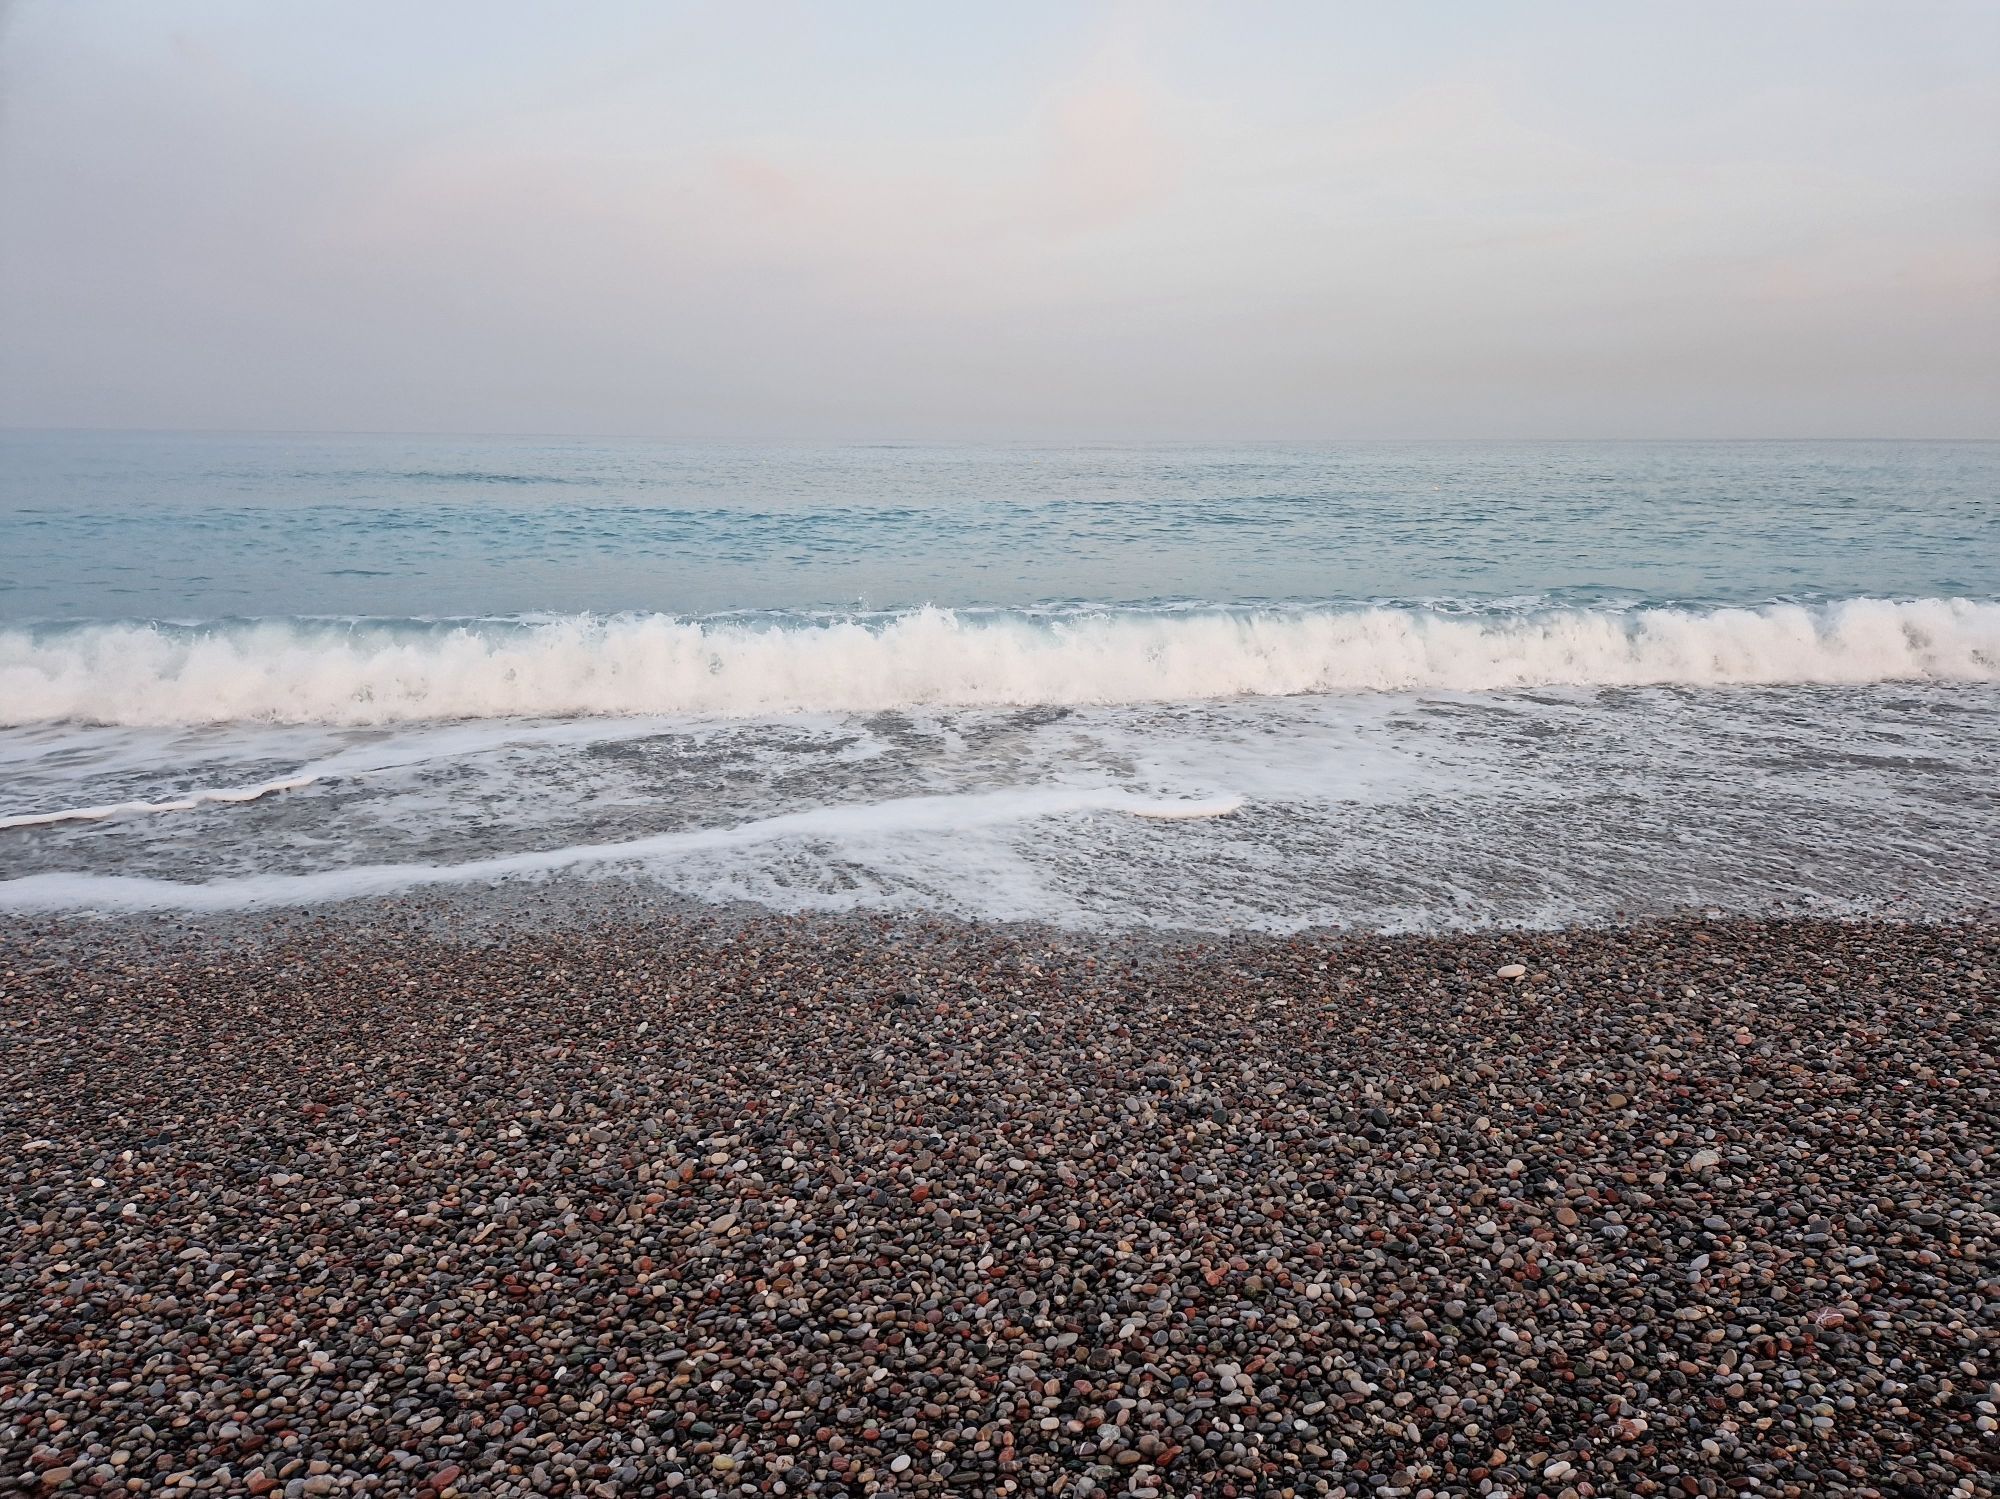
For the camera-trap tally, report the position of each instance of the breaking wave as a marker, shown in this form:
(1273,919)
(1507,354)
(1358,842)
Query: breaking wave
(370,672)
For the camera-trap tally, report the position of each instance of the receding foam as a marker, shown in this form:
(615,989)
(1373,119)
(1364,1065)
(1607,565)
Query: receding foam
(219,794)
(902,815)
(1187,811)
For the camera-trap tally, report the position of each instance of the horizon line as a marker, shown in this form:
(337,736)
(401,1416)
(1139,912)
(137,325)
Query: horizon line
(10,429)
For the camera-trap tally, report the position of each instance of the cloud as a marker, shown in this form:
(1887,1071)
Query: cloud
(1115,238)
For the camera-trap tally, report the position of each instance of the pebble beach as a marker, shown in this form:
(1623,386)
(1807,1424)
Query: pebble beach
(705,1205)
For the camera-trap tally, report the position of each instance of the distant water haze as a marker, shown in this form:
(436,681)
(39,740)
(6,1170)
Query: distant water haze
(188,527)
(1040,221)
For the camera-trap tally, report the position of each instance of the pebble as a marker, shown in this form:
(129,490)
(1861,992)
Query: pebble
(706,1204)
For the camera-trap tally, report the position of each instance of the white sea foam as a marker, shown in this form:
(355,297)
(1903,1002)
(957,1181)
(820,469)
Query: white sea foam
(327,673)
(901,816)
(186,803)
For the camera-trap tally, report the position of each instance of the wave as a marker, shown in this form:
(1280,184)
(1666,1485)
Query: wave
(378,672)
(447,476)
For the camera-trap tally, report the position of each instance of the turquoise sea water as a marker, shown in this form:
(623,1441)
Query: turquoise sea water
(98,526)
(1387,684)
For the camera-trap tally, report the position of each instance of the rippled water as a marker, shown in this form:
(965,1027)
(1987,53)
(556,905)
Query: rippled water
(96,526)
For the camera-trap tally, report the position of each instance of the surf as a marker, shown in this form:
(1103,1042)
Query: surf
(378,672)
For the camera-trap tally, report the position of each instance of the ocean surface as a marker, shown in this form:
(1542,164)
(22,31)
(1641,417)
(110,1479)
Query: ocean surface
(1389,685)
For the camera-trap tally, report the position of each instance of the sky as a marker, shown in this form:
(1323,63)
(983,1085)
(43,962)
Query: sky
(1031,221)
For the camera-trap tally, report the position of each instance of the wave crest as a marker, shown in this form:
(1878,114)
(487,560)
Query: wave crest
(387,672)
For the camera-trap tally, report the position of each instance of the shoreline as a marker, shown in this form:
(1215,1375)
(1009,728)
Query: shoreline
(561,905)
(708,1202)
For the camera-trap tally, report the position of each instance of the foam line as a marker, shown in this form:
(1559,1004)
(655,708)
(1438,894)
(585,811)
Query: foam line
(921,814)
(138,809)
(1187,811)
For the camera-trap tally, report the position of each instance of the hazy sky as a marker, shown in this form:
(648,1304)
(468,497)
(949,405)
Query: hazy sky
(1008,220)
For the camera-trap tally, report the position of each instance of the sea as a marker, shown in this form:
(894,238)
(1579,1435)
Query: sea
(1267,687)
